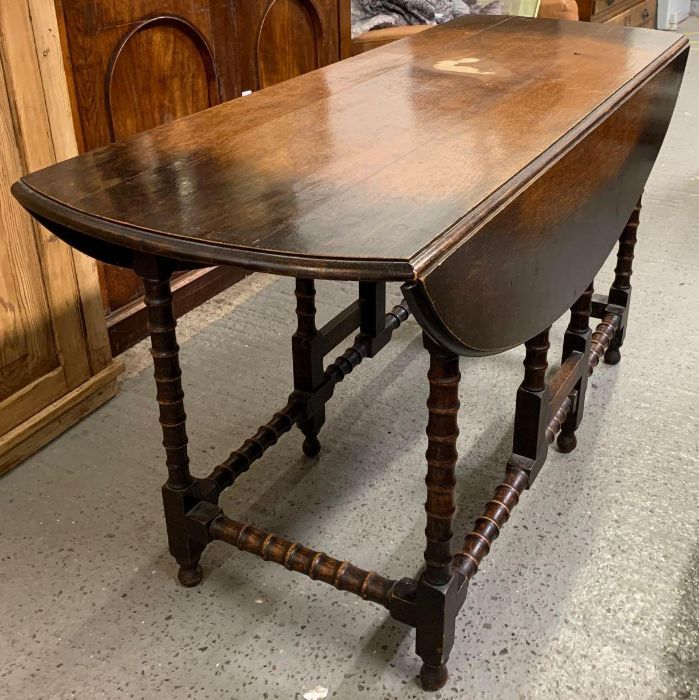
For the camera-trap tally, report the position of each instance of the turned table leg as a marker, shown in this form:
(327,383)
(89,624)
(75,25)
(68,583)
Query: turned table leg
(307,351)
(576,339)
(436,595)
(165,352)
(620,292)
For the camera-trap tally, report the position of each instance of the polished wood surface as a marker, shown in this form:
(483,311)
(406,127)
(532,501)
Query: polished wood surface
(554,237)
(370,168)
(138,64)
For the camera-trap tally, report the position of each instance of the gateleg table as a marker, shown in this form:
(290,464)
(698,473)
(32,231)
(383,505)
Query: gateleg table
(489,166)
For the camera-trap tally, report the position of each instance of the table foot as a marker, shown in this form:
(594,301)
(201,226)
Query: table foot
(620,291)
(567,441)
(433,677)
(311,445)
(190,575)
(308,350)
(577,339)
(612,356)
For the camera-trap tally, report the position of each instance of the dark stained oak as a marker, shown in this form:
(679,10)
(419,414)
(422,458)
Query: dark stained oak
(322,171)
(470,162)
(444,160)
(134,65)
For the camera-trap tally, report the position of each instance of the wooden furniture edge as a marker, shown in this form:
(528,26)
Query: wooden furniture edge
(46,115)
(70,225)
(344,21)
(380,37)
(36,86)
(46,19)
(49,423)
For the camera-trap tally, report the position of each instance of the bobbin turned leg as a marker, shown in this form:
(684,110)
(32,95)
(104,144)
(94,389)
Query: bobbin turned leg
(307,350)
(529,444)
(576,339)
(437,605)
(177,496)
(620,291)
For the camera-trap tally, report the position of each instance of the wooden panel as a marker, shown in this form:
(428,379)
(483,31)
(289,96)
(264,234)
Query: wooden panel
(281,39)
(629,13)
(26,402)
(344,9)
(27,345)
(180,80)
(51,421)
(139,64)
(295,22)
(640,15)
(24,81)
(13,339)
(60,117)
(168,54)
(44,336)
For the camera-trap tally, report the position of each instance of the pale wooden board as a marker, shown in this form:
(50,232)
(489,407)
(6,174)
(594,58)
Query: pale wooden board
(28,349)
(55,363)
(23,79)
(47,424)
(58,106)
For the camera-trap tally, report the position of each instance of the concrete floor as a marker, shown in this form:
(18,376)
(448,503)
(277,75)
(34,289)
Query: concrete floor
(591,591)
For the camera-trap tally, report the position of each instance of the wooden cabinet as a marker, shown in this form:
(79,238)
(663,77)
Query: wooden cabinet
(640,15)
(630,13)
(55,363)
(135,64)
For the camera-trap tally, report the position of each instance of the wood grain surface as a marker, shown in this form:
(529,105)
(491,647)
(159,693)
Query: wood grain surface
(534,257)
(367,168)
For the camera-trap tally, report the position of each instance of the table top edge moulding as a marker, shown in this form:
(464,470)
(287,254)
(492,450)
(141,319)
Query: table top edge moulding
(282,225)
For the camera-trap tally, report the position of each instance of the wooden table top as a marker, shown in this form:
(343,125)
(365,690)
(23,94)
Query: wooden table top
(372,168)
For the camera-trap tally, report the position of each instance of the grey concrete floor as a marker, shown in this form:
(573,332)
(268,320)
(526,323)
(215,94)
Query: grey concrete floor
(592,590)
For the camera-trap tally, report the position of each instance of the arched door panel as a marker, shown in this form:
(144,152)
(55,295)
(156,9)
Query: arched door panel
(291,23)
(181,78)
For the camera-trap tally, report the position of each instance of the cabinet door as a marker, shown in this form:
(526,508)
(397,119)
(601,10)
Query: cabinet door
(281,39)
(43,352)
(138,64)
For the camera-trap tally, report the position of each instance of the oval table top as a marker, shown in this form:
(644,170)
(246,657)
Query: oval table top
(372,168)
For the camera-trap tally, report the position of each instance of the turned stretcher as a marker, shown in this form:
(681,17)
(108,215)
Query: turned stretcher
(489,166)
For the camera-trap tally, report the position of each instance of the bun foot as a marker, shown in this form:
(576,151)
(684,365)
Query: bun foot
(566,442)
(612,356)
(433,677)
(311,446)
(190,576)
